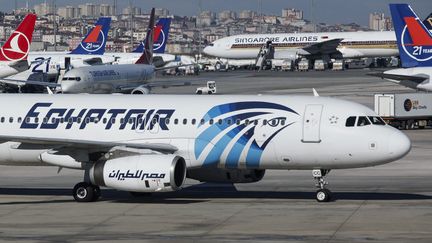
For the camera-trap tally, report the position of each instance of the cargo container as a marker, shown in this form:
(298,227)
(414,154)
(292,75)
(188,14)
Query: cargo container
(405,110)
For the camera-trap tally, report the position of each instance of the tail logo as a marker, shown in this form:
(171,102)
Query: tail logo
(18,47)
(159,35)
(94,41)
(415,41)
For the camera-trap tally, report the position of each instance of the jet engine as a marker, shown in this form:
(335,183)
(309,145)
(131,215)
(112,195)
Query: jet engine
(141,90)
(140,173)
(226,175)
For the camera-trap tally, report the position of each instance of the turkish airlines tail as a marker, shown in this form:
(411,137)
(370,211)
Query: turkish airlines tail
(17,46)
(414,39)
(147,56)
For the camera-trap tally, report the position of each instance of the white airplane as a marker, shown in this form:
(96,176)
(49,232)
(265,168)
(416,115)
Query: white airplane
(14,53)
(415,48)
(126,78)
(151,143)
(331,45)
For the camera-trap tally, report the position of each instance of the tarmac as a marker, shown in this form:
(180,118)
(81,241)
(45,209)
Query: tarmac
(387,203)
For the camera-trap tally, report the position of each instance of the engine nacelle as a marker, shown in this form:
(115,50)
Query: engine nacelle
(141,90)
(141,173)
(226,175)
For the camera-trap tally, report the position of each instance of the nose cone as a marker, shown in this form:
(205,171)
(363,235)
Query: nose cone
(209,50)
(399,145)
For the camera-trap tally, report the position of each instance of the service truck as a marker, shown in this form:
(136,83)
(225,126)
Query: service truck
(405,110)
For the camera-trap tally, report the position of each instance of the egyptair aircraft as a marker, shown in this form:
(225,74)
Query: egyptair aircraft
(415,48)
(14,53)
(151,143)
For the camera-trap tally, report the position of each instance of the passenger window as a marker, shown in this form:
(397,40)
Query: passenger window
(376,120)
(211,121)
(238,121)
(122,120)
(220,121)
(264,122)
(176,121)
(193,121)
(184,121)
(246,122)
(202,121)
(229,121)
(350,122)
(362,121)
(104,120)
(10,119)
(2,119)
(167,121)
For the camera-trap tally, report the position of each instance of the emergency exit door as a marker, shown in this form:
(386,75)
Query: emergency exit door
(312,124)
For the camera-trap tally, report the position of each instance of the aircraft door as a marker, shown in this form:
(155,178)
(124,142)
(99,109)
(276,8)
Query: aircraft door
(312,124)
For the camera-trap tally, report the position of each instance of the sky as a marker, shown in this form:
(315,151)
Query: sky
(327,11)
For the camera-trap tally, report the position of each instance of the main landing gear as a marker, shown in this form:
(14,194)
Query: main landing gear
(86,192)
(322,194)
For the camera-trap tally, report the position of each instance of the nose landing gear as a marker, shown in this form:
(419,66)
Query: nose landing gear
(322,194)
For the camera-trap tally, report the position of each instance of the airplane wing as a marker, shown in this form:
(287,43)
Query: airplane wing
(399,78)
(323,47)
(19,82)
(89,144)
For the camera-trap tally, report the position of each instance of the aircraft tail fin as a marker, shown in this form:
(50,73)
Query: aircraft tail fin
(95,41)
(147,55)
(160,38)
(17,47)
(414,39)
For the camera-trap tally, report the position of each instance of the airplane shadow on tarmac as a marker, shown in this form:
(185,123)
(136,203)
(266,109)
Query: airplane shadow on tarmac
(201,193)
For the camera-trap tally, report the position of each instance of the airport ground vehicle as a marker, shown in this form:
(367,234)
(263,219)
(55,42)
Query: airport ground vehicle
(303,65)
(209,89)
(405,110)
(338,65)
(320,65)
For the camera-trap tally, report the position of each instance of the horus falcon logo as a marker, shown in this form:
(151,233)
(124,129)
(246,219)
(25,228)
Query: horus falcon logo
(239,132)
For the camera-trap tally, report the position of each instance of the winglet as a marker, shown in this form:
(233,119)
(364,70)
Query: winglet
(147,56)
(95,41)
(315,93)
(17,46)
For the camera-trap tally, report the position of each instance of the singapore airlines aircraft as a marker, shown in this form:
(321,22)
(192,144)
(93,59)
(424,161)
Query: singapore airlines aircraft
(415,48)
(151,143)
(332,45)
(14,53)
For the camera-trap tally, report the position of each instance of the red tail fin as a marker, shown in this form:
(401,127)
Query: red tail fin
(17,46)
(417,33)
(147,56)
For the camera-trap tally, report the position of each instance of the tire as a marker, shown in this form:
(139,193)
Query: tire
(199,92)
(323,195)
(209,92)
(84,192)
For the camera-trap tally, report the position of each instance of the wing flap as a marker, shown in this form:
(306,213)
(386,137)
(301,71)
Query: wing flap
(400,78)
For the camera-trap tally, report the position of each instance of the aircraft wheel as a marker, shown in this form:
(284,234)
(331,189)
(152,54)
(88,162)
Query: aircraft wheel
(85,192)
(323,195)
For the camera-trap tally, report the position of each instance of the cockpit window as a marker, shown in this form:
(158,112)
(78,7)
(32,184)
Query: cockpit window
(376,120)
(362,121)
(350,122)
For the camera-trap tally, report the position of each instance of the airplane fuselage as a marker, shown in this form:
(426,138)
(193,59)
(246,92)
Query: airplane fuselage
(265,132)
(106,78)
(353,44)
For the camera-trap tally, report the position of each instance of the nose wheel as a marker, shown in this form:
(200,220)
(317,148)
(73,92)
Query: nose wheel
(86,192)
(322,194)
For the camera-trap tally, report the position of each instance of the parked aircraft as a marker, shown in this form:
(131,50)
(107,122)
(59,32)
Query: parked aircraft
(151,143)
(14,53)
(415,48)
